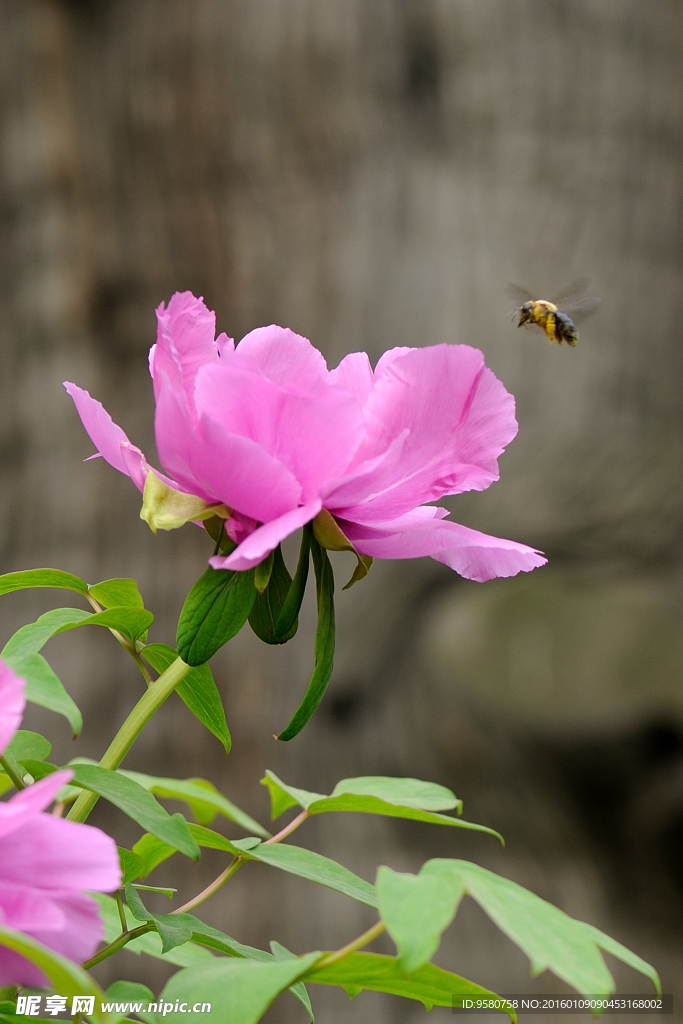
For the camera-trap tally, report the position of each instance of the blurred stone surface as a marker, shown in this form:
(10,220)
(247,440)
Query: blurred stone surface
(371,175)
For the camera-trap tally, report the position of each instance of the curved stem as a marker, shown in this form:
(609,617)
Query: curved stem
(155,696)
(212,887)
(363,940)
(235,864)
(117,944)
(288,829)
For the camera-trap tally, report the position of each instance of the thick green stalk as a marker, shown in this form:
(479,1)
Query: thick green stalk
(155,696)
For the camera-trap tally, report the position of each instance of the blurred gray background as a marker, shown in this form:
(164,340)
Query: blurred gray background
(370,173)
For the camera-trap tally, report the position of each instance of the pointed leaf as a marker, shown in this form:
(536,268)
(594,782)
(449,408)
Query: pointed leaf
(214,611)
(270,602)
(44,688)
(138,804)
(430,985)
(118,593)
(132,866)
(550,938)
(287,620)
(123,992)
(30,578)
(416,909)
(324,643)
(197,690)
(200,795)
(622,953)
(152,852)
(239,991)
(375,794)
(174,931)
(313,866)
(299,990)
(67,977)
(132,622)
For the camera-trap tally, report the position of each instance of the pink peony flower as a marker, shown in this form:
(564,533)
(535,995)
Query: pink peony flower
(266,436)
(46,863)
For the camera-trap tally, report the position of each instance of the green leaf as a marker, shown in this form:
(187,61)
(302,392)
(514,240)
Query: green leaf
(188,955)
(239,991)
(30,578)
(132,622)
(214,611)
(416,910)
(375,794)
(270,602)
(135,801)
(313,866)
(44,688)
(324,643)
(67,977)
(174,931)
(622,953)
(549,937)
(430,984)
(197,690)
(299,989)
(289,614)
(38,769)
(28,745)
(126,992)
(152,852)
(119,593)
(263,572)
(132,866)
(203,798)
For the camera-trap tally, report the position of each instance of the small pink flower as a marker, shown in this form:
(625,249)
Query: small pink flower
(46,863)
(266,436)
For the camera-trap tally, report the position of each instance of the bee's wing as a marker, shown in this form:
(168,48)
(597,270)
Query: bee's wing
(572,293)
(520,295)
(582,307)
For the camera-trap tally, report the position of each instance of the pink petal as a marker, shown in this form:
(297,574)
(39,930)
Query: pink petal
(474,555)
(52,853)
(241,474)
(23,806)
(107,437)
(459,417)
(186,332)
(83,930)
(261,542)
(12,703)
(282,356)
(27,908)
(77,937)
(176,438)
(313,431)
(354,374)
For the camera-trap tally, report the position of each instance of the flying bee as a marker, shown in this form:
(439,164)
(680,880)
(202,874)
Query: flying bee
(552,319)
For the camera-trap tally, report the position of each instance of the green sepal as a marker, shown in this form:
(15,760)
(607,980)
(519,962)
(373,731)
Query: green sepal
(214,611)
(291,607)
(269,603)
(330,535)
(324,643)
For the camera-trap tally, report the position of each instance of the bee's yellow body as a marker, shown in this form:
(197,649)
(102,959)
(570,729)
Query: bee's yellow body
(556,324)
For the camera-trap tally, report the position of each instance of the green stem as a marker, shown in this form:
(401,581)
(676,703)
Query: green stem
(9,770)
(155,696)
(363,940)
(117,944)
(122,913)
